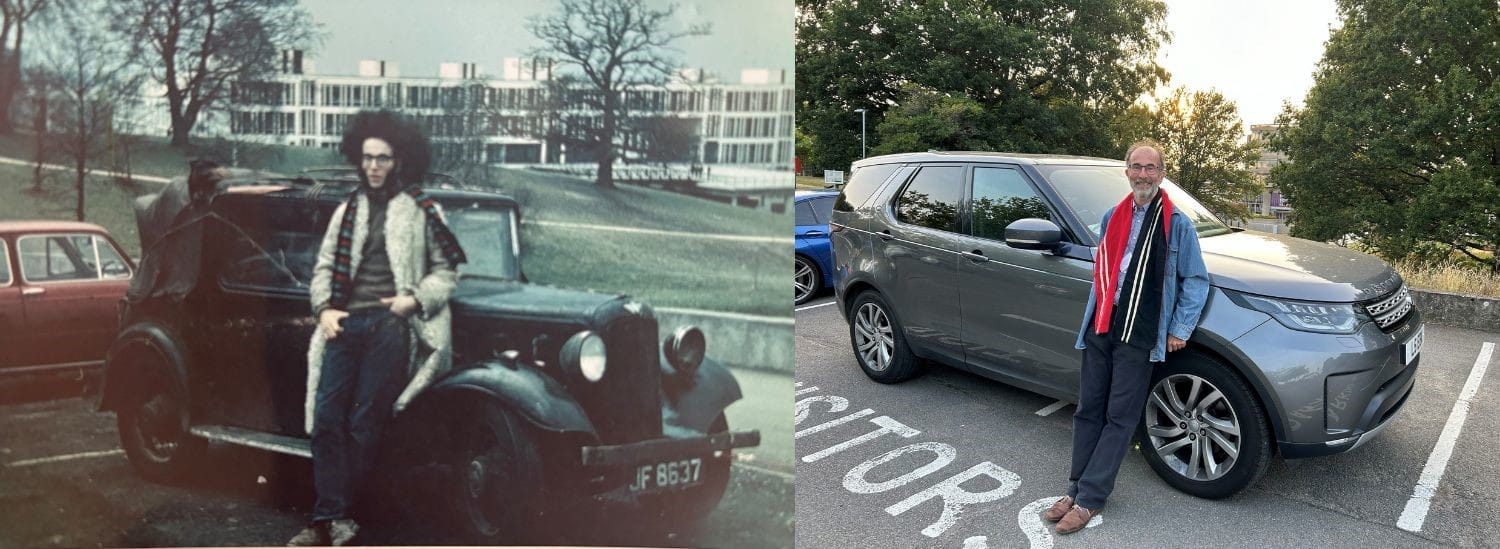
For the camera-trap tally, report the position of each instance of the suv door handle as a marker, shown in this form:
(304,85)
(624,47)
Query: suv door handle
(975,256)
(885,234)
(33,291)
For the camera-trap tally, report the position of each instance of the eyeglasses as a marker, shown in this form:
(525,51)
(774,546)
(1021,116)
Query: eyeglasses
(1148,168)
(383,161)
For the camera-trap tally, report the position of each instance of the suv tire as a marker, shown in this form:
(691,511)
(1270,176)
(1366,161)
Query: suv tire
(886,358)
(1194,392)
(807,280)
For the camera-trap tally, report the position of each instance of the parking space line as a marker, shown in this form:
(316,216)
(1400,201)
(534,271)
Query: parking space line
(1415,512)
(54,459)
(816,306)
(1044,412)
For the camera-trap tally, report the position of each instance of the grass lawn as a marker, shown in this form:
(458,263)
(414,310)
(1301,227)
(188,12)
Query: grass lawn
(809,182)
(666,271)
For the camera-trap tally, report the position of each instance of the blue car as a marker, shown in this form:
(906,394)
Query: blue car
(814,255)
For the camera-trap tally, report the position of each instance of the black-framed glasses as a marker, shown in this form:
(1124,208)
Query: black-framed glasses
(383,161)
(1147,168)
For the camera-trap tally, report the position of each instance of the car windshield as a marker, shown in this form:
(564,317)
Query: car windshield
(1092,190)
(487,233)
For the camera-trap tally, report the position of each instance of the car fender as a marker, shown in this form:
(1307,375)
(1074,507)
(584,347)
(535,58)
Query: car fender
(713,389)
(121,374)
(536,397)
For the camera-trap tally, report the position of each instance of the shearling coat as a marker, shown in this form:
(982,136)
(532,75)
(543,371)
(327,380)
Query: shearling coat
(406,245)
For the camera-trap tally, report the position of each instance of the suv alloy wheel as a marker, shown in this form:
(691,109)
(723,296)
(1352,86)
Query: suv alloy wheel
(1204,431)
(878,342)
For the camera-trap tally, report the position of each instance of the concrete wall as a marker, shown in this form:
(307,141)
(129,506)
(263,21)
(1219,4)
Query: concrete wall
(1461,310)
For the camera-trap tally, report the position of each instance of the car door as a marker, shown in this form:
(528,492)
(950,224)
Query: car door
(262,322)
(1020,308)
(14,332)
(916,239)
(70,299)
(812,231)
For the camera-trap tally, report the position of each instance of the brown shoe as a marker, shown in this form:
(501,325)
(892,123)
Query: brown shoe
(1075,520)
(314,535)
(1056,512)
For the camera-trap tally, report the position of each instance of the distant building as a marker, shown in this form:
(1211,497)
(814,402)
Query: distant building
(746,124)
(1270,200)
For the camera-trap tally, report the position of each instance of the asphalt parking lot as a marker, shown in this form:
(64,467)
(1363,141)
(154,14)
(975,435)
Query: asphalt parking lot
(64,482)
(983,459)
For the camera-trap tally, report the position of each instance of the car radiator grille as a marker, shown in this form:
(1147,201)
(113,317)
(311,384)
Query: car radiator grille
(625,406)
(1390,310)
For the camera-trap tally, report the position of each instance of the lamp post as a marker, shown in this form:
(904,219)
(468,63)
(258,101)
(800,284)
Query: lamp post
(861,132)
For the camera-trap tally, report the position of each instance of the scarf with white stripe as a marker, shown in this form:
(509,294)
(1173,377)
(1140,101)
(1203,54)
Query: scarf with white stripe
(1144,278)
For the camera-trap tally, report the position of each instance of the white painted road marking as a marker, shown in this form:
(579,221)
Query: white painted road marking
(1415,512)
(1044,412)
(1030,520)
(68,457)
(816,306)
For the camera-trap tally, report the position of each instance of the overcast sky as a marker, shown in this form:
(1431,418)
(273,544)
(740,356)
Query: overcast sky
(1257,54)
(419,36)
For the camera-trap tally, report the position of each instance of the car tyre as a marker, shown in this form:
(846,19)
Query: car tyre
(878,341)
(496,476)
(1231,447)
(150,424)
(807,280)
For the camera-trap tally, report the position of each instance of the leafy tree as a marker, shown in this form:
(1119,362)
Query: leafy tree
(13,17)
(929,119)
(1050,75)
(195,48)
(616,46)
(1399,140)
(1205,151)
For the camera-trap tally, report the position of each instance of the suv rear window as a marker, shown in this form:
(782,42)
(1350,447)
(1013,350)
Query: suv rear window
(863,183)
(931,199)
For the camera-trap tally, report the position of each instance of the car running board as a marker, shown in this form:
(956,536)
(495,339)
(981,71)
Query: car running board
(280,444)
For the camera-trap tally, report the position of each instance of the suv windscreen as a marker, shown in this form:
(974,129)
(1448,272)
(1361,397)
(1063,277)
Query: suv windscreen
(863,183)
(1092,190)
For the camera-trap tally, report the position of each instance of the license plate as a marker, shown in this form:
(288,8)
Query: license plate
(1413,345)
(667,474)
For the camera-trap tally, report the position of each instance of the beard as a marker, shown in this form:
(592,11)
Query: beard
(1143,195)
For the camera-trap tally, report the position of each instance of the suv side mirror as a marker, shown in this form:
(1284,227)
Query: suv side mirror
(1033,234)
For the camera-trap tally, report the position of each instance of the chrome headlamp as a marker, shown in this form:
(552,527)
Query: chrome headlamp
(684,350)
(583,355)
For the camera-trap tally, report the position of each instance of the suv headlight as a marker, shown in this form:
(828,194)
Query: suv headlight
(1307,316)
(583,355)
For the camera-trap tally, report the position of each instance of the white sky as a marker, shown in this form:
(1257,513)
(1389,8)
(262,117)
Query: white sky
(1258,54)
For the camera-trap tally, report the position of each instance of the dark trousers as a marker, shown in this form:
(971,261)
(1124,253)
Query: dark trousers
(1111,396)
(363,372)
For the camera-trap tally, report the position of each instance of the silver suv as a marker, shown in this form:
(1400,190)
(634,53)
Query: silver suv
(984,262)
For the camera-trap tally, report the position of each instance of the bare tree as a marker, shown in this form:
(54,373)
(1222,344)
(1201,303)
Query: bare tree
(91,74)
(616,46)
(195,48)
(13,17)
(39,91)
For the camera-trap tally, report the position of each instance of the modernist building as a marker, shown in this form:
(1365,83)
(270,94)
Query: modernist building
(498,119)
(1269,201)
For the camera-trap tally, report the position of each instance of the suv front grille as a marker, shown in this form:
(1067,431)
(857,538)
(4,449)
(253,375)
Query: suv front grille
(1390,310)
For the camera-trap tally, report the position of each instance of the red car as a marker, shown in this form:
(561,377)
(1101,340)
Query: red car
(60,289)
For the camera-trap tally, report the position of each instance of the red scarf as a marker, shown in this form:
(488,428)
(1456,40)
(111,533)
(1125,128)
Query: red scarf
(1112,251)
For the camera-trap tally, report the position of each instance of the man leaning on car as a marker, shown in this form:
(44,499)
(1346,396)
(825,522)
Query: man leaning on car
(1150,285)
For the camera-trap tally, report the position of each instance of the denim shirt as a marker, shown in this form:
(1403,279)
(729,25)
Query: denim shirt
(1184,293)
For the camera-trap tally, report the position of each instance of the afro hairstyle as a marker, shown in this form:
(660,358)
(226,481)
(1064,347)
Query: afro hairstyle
(410,147)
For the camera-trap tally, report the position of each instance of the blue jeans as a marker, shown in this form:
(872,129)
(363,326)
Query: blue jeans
(1112,389)
(364,370)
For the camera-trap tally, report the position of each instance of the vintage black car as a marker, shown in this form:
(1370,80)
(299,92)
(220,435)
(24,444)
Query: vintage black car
(557,397)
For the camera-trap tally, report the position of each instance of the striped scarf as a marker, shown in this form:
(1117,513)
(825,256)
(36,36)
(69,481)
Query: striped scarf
(342,268)
(1141,300)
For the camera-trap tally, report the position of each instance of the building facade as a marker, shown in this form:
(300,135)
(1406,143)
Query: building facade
(507,119)
(1269,202)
